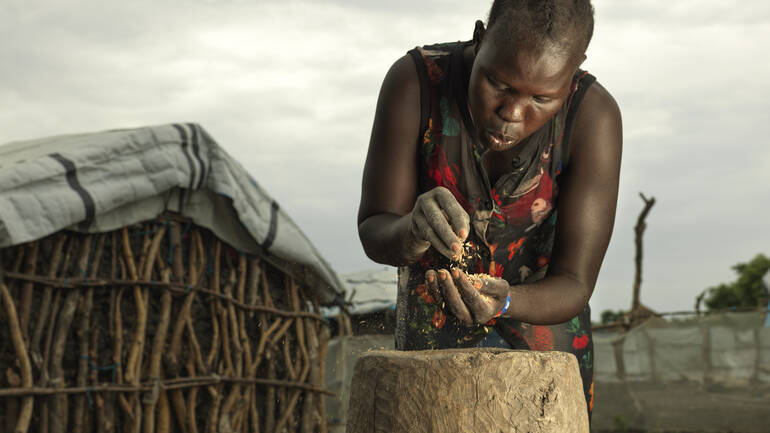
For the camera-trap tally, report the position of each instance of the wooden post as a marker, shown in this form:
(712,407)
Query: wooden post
(464,390)
(639,230)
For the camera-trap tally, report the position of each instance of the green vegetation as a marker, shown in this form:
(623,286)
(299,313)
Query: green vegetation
(609,316)
(746,291)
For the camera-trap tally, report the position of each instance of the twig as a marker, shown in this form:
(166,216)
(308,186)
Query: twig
(164,415)
(254,278)
(86,305)
(157,349)
(45,303)
(323,340)
(59,415)
(25,414)
(192,400)
(27,289)
(309,414)
(270,395)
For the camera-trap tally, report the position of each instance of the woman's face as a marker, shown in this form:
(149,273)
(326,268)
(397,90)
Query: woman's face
(513,92)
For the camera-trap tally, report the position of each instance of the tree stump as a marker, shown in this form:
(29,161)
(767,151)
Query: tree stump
(467,390)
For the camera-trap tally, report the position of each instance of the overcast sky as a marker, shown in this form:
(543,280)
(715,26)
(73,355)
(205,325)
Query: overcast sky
(289,89)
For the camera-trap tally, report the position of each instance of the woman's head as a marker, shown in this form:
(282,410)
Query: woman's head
(565,24)
(523,66)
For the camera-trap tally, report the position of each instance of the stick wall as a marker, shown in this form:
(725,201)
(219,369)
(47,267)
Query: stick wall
(155,328)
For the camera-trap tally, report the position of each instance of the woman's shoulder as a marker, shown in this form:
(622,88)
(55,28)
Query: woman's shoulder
(436,59)
(425,62)
(597,134)
(591,112)
(597,105)
(440,49)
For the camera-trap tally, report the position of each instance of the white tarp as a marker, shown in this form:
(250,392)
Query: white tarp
(732,349)
(369,291)
(102,181)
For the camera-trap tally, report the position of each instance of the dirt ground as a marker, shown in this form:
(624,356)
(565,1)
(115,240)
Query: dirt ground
(685,407)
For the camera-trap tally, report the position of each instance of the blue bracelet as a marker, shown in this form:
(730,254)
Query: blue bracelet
(505,306)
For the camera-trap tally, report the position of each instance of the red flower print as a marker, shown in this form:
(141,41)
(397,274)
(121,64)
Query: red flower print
(496,197)
(520,211)
(441,173)
(436,176)
(513,247)
(439,318)
(492,249)
(449,176)
(541,338)
(495,269)
(542,261)
(580,342)
(424,294)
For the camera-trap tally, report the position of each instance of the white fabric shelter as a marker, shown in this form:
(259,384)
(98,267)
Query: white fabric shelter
(106,180)
(368,291)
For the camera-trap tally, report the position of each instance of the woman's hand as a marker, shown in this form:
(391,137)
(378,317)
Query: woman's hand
(438,220)
(473,299)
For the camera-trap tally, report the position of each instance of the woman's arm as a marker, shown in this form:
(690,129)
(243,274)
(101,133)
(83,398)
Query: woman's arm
(586,214)
(396,226)
(389,185)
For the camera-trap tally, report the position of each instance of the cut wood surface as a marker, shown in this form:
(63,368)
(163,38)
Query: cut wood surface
(467,390)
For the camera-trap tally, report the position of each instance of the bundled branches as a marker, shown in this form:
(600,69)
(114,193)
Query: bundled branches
(155,328)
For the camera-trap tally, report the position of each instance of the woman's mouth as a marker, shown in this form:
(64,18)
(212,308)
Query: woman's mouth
(499,140)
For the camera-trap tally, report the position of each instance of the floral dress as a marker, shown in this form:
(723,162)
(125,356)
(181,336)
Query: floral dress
(512,222)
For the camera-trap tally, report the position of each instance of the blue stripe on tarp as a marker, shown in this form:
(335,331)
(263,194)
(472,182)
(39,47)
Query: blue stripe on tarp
(74,183)
(271,232)
(185,146)
(196,153)
(190,164)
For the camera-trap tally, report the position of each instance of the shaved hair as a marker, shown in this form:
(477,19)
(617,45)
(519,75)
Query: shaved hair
(563,24)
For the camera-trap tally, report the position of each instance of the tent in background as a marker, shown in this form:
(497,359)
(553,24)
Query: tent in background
(98,182)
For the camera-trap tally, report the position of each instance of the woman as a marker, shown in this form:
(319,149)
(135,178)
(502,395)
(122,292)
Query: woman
(476,148)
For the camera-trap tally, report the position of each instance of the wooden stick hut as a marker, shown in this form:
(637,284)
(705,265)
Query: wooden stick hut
(178,297)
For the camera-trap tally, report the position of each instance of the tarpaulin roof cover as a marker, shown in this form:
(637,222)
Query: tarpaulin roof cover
(369,291)
(102,181)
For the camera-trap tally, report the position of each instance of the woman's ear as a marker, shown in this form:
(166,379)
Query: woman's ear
(580,61)
(478,35)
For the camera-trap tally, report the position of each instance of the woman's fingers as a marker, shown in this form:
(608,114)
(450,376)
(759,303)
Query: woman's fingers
(427,231)
(454,213)
(452,298)
(431,281)
(478,305)
(438,221)
(470,298)
(496,288)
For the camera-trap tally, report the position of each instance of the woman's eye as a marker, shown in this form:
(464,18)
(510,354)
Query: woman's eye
(494,82)
(540,99)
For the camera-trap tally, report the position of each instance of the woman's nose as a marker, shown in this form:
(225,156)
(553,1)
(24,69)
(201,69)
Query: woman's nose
(512,109)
